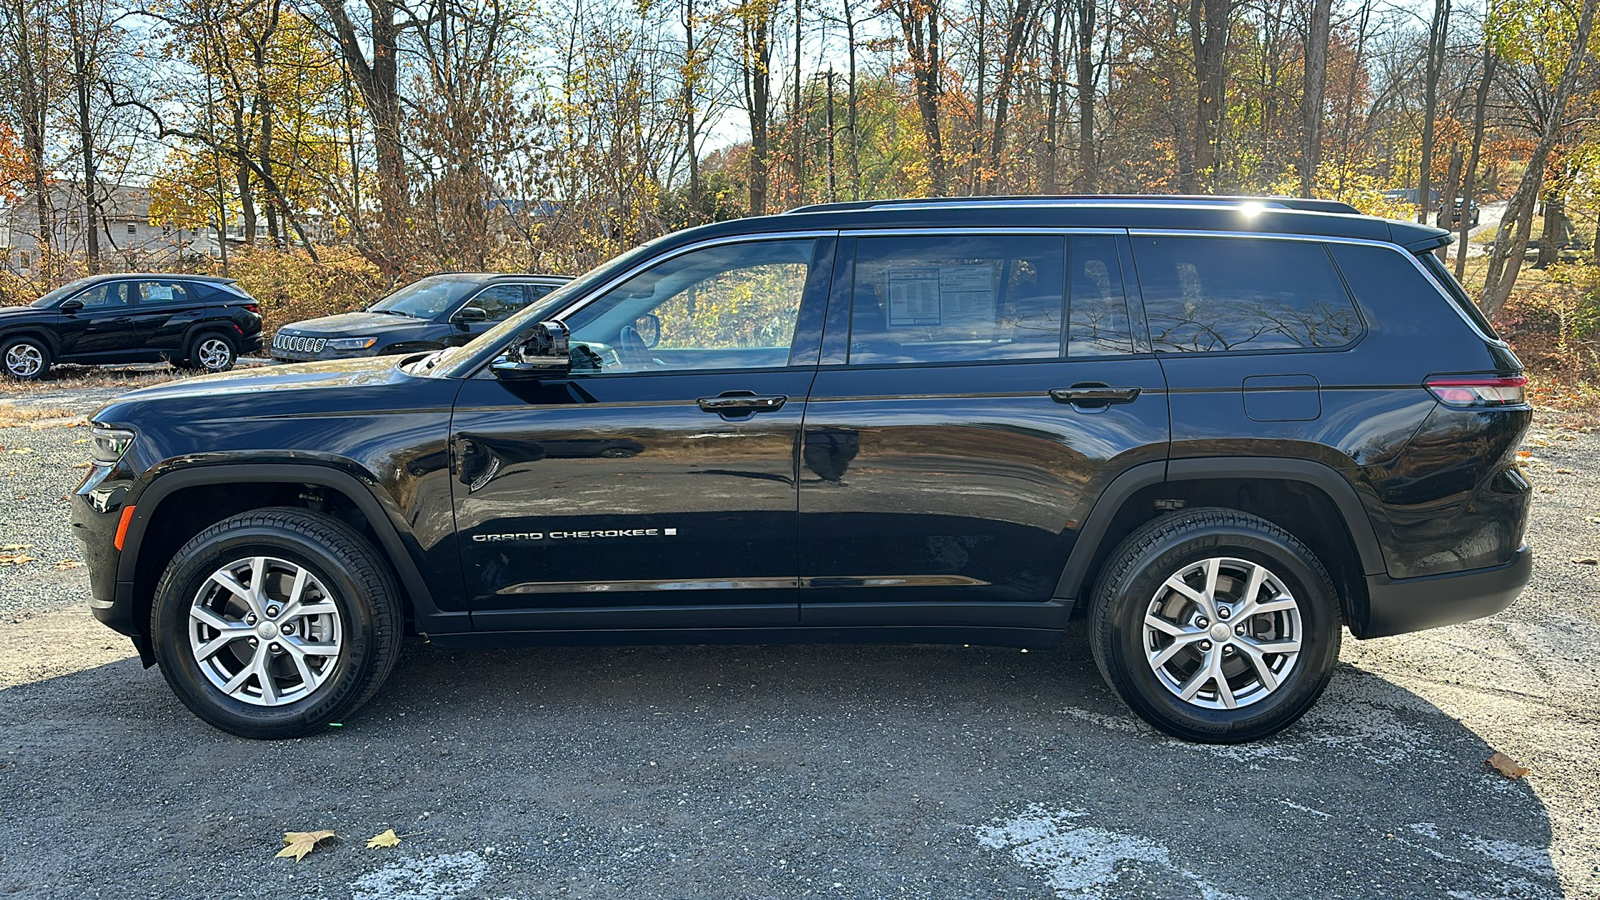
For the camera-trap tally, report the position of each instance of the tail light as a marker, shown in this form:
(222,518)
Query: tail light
(1464,391)
(253,307)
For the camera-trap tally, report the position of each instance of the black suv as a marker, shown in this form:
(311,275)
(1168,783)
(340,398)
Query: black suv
(439,311)
(1222,430)
(193,321)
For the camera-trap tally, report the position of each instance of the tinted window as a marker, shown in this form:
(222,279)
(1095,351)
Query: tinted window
(1097,318)
(424,299)
(1204,293)
(500,300)
(732,306)
(157,293)
(941,299)
(103,295)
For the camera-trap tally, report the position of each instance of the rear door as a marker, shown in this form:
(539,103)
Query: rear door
(655,485)
(977,393)
(164,311)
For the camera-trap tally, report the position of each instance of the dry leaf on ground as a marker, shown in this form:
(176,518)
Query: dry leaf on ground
(298,843)
(17,559)
(1505,765)
(66,564)
(387,839)
(1586,561)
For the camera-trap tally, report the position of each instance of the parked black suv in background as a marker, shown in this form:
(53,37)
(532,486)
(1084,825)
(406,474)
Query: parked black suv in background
(193,321)
(1223,430)
(438,311)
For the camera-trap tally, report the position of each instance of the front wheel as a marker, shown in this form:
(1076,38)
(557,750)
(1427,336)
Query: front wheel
(1215,626)
(25,358)
(273,623)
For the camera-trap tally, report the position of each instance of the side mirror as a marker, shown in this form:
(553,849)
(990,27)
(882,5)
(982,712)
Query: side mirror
(545,351)
(649,328)
(466,315)
(71,306)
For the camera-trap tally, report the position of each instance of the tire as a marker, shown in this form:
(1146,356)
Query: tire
(211,352)
(353,611)
(25,358)
(1152,666)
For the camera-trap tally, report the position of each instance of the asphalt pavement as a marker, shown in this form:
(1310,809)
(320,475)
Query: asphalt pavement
(836,771)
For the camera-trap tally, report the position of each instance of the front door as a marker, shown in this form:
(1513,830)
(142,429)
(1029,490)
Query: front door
(103,326)
(957,434)
(655,485)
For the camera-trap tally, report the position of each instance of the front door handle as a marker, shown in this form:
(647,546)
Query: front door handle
(739,403)
(1094,395)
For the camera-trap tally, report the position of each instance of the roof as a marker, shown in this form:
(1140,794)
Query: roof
(165,276)
(1263,215)
(485,276)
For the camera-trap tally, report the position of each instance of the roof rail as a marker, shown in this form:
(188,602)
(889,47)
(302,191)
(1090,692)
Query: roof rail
(1294,203)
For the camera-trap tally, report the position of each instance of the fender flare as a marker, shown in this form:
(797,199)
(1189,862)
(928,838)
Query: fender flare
(1124,486)
(395,540)
(39,332)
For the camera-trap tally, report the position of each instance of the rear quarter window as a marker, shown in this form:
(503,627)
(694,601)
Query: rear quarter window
(1205,294)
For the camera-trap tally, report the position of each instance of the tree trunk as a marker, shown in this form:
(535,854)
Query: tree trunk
(1315,93)
(757,88)
(379,84)
(1209,22)
(1437,34)
(1018,33)
(1088,165)
(1506,258)
(1447,204)
(919,21)
(855,138)
(82,76)
(1469,182)
(1052,112)
(797,150)
(1553,234)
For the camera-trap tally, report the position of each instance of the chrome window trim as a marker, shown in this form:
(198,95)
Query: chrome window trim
(1000,230)
(579,303)
(1329,239)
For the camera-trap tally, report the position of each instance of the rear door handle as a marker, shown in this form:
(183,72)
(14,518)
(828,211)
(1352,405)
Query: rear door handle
(737,403)
(1094,395)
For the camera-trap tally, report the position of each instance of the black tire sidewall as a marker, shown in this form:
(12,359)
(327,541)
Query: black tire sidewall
(1158,559)
(44,352)
(195,563)
(194,351)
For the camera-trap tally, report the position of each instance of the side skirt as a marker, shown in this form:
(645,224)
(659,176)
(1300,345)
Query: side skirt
(1042,638)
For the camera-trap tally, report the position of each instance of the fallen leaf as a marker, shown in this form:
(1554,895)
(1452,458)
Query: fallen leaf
(387,839)
(298,843)
(20,450)
(1565,472)
(66,564)
(17,560)
(14,547)
(1505,765)
(1586,561)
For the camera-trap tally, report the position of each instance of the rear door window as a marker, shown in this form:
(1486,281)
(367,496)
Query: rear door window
(1097,318)
(1205,294)
(941,298)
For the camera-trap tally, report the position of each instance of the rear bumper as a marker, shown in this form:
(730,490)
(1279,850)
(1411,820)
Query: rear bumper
(1399,606)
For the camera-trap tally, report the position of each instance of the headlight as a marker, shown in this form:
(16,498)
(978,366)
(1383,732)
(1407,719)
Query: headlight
(108,444)
(360,343)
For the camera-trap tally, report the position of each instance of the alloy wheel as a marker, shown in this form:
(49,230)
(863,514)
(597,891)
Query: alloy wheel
(1222,633)
(214,354)
(265,631)
(24,360)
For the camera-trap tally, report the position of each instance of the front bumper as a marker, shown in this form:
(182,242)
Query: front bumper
(1402,605)
(97,507)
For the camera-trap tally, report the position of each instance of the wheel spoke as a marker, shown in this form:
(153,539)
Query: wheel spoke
(1209,602)
(1195,682)
(226,579)
(311,648)
(1290,645)
(307,678)
(1252,589)
(1172,649)
(263,667)
(237,682)
(1282,604)
(210,648)
(1224,692)
(1269,678)
(215,619)
(1152,620)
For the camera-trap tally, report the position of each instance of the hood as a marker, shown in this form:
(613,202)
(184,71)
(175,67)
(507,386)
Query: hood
(7,312)
(356,324)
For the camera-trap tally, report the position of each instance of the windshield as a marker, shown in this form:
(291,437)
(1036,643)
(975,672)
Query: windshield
(425,299)
(458,362)
(61,293)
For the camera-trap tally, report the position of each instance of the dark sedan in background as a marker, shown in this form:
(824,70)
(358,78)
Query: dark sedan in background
(193,321)
(438,311)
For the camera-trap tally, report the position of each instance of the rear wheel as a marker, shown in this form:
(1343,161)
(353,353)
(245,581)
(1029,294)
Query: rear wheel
(25,358)
(212,352)
(273,623)
(1215,626)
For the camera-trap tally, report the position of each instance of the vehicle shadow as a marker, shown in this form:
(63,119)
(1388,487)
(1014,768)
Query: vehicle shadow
(756,771)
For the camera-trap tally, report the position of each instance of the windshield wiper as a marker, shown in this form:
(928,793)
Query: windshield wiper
(393,312)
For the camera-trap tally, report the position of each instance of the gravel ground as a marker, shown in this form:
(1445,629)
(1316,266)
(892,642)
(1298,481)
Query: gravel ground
(805,771)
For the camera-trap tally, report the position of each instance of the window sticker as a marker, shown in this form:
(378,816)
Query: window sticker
(959,295)
(160,292)
(914,296)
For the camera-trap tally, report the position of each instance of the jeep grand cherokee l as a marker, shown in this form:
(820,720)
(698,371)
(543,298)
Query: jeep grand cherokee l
(1223,430)
(193,321)
(436,312)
